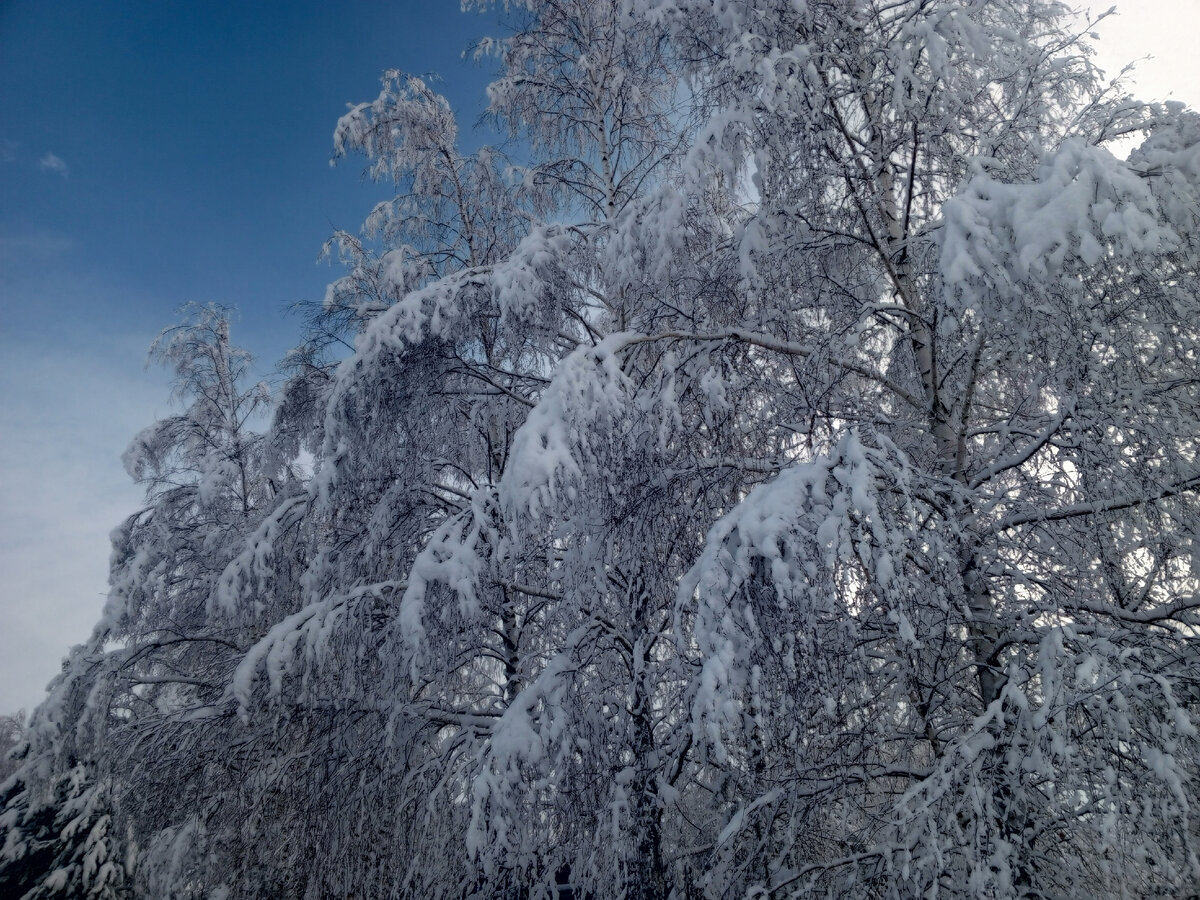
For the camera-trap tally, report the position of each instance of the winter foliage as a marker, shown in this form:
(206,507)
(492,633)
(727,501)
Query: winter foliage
(774,477)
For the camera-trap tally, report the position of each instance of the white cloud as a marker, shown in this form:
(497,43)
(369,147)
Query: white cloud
(53,163)
(8,150)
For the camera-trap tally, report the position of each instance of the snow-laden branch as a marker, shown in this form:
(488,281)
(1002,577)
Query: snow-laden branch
(1095,507)
(788,348)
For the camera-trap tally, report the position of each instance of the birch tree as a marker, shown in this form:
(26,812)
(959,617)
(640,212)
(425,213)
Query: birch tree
(125,749)
(917,642)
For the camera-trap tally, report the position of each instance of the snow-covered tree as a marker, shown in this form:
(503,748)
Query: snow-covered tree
(12,730)
(777,481)
(129,744)
(484,294)
(973,561)
(943,648)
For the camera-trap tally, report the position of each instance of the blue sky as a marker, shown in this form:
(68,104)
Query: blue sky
(155,152)
(181,148)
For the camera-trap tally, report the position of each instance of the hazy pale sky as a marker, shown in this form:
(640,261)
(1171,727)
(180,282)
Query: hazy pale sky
(154,152)
(1165,31)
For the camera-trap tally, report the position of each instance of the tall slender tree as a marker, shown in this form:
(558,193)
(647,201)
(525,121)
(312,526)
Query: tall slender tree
(906,638)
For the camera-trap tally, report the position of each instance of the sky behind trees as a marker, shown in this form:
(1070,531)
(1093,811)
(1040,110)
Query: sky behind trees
(155,153)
